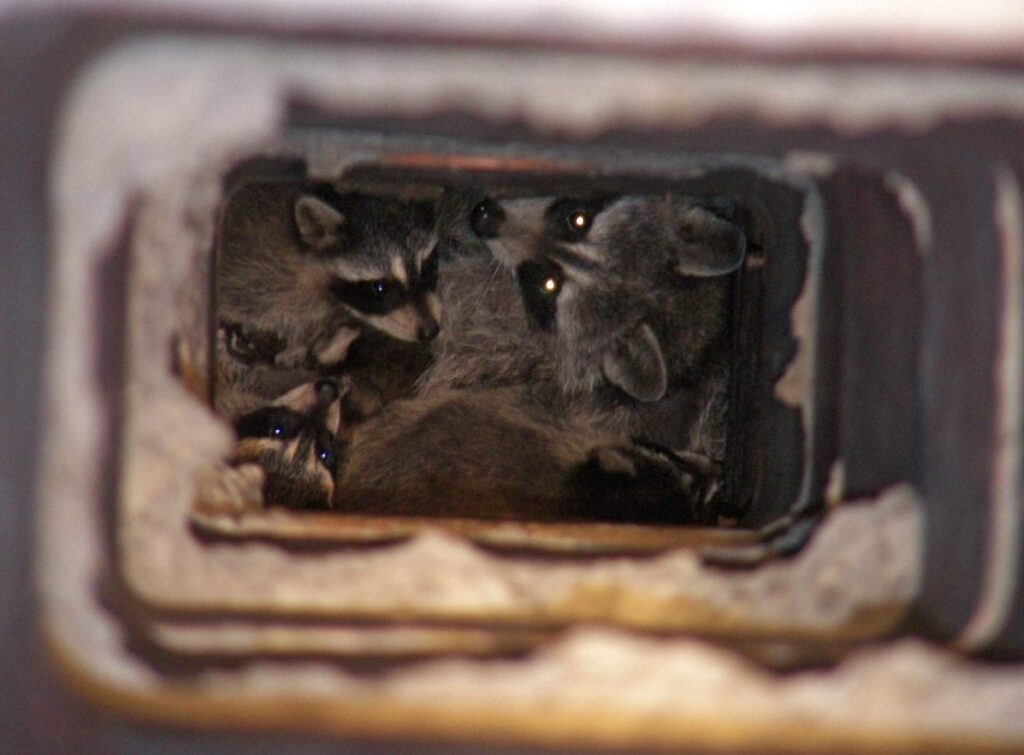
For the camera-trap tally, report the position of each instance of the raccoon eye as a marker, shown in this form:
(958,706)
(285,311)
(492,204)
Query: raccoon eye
(326,452)
(486,219)
(578,222)
(268,422)
(540,282)
(572,219)
(374,297)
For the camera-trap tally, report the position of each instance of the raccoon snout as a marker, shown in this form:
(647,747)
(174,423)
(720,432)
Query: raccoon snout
(428,331)
(486,219)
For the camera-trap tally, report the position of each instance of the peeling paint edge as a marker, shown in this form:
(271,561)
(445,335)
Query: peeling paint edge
(797,386)
(1001,578)
(914,207)
(387,719)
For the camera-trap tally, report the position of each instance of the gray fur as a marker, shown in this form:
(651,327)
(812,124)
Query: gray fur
(282,246)
(521,422)
(493,434)
(487,340)
(621,275)
(293,476)
(635,364)
(240,388)
(635,341)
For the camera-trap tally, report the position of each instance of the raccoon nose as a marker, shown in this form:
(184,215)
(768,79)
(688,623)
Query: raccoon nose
(486,219)
(428,332)
(326,391)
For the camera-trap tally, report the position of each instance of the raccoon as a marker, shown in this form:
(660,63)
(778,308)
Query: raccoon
(303,272)
(487,340)
(491,434)
(299,441)
(296,440)
(487,454)
(629,299)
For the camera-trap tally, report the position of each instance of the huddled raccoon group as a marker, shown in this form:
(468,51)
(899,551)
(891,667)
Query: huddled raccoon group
(529,358)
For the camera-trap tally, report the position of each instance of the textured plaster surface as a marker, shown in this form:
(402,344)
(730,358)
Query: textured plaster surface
(154,128)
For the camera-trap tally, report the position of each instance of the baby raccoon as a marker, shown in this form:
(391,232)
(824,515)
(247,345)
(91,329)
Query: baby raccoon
(632,293)
(296,440)
(303,271)
(487,435)
(300,439)
(632,286)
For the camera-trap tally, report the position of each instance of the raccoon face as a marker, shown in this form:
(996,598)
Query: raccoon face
(694,239)
(295,441)
(376,257)
(600,272)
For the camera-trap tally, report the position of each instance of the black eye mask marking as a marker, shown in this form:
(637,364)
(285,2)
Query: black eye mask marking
(327,451)
(382,296)
(540,283)
(270,422)
(373,297)
(572,219)
(281,423)
(427,280)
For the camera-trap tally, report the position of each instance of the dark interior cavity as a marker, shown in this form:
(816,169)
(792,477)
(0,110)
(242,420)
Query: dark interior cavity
(566,392)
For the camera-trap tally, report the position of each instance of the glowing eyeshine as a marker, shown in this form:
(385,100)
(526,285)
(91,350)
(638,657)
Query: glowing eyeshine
(578,219)
(550,285)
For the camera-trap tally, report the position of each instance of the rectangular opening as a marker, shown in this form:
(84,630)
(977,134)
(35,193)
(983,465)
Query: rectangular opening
(194,532)
(716,430)
(189,536)
(171,587)
(217,564)
(211,591)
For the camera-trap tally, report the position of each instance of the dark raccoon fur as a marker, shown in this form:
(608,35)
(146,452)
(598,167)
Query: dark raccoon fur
(486,454)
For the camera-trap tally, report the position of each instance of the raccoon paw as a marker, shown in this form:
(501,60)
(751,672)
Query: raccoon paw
(635,482)
(333,351)
(231,490)
(698,474)
(705,475)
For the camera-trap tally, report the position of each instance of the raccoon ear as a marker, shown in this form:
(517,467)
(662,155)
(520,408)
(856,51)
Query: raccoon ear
(634,363)
(706,245)
(319,223)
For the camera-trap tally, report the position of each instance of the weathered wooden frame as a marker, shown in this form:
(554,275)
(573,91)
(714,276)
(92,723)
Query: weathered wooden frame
(962,449)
